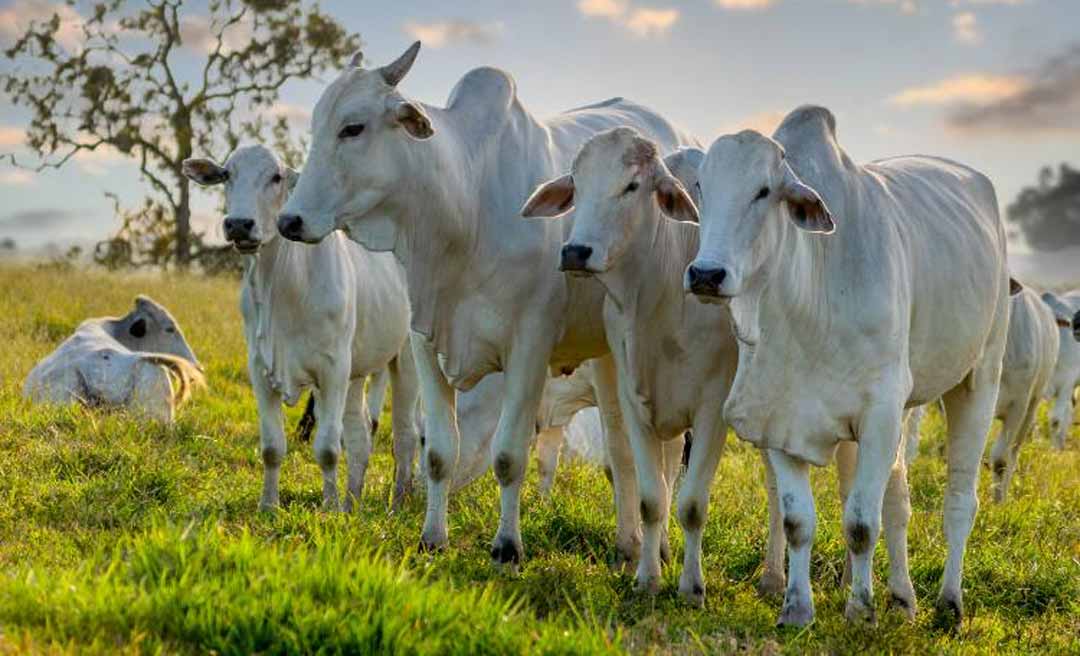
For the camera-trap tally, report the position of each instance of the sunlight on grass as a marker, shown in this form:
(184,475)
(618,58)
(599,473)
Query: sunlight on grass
(116,535)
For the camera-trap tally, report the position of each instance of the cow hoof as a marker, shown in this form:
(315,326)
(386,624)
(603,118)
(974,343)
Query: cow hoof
(433,541)
(860,611)
(692,593)
(506,552)
(351,504)
(949,610)
(649,585)
(904,602)
(269,507)
(772,584)
(626,557)
(797,614)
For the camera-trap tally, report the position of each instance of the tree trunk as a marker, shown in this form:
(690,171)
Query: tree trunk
(183,226)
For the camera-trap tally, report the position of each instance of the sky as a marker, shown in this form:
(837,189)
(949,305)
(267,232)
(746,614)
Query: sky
(991,83)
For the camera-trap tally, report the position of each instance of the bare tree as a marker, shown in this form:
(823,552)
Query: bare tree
(156,83)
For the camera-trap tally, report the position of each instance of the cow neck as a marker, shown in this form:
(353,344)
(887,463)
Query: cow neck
(650,273)
(276,271)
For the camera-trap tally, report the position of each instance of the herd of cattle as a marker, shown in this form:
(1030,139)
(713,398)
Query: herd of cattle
(509,272)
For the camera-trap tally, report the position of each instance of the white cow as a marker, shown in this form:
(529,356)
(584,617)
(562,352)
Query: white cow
(1030,357)
(1067,370)
(441,188)
(328,316)
(838,333)
(127,362)
(675,359)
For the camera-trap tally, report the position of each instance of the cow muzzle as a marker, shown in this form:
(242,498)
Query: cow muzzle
(239,232)
(575,258)
(706,281)
(291,227)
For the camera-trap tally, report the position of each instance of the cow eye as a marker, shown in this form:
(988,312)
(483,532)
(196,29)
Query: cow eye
(276,179)
(170,330)
(351,130)
(762,193)
(631,188)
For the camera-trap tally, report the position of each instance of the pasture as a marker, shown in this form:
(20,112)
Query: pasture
(122,536)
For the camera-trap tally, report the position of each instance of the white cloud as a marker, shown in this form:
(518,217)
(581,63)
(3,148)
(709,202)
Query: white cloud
(199,35)
(452,32)
(764,122)
(11,136)
(969,89)
(292,113)
(16,177)
(744,5)
(15,18)
(639,21)
(966,28)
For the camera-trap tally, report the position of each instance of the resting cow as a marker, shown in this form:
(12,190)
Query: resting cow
(839,333)
(327,316)
(127,362)
(1067,370)
(441,188)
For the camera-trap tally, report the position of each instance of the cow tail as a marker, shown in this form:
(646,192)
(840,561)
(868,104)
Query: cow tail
(306,425)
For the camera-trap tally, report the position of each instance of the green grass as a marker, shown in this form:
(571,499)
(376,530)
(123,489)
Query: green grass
(117,535)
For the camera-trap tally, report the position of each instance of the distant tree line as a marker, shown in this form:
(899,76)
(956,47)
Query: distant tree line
(1048,213)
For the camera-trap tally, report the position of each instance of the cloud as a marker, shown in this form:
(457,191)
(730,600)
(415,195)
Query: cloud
(743,5)
(904,6)
(967,89)
(199,35)
(293,113)
(640,21)
(37,219)
(764,122)
(11,136)
(15,18)
(16,177)
(454,32)
(966,28)
(651,22)
(1048,101)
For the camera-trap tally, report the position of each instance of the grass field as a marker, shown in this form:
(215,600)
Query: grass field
(117,535)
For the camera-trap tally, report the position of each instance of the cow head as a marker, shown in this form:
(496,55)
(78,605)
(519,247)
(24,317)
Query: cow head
(748,191)
(256,185)
(360,132)
(149,327)
(616,182)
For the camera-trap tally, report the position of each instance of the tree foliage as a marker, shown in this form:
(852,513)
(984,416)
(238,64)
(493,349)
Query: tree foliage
(1048,213)
(157,84)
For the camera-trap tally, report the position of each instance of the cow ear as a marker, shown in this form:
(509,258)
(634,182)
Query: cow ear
(1063,315)
(138,328)
(357,59)
(805,207)
(1015,287)
(409,116)
(551,199)
(292,176)
(674,201)
(204,172)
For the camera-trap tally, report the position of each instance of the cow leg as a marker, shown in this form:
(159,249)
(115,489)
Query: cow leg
(649,458)
(441,440)
(620,460)
(548,444)
(356,426)
(912,424)
(404,384)
(329,417)
(847,455)
(673,450)
(773,580)
(970,410)
(376,396)
(709,437)
(1061,416)
(800,523)
(526,373)
(879,443)
(272,443)
(895,515)
(1003,456)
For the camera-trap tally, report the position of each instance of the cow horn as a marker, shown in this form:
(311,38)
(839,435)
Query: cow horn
(396,70)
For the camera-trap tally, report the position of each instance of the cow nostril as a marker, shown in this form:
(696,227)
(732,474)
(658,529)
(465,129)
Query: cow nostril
(575,256)
(291,226)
